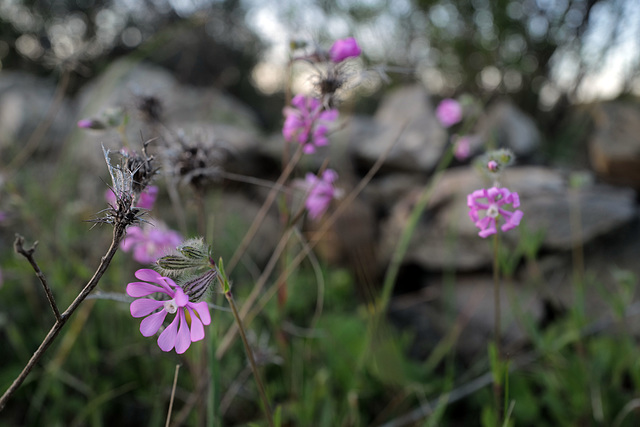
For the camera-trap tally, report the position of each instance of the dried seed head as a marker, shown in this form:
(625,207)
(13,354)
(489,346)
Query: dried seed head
(199,160)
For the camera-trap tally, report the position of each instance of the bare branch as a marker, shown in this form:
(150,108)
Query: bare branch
(28,254)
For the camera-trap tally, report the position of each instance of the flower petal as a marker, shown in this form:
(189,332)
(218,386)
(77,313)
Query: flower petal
(183,339)
(167,339)
(142,289)
(148,275)
(144,306)
(197,329)
(203,311)
(150,325)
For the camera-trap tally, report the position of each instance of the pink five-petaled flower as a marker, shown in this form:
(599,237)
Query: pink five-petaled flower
(343,49)
(496,198)
(449,112)
(307,122)
(150,242)
(321,192)
(181,332)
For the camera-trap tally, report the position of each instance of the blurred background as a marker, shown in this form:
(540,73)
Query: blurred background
(556,81)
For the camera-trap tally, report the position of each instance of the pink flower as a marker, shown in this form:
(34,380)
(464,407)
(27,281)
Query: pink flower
(146,200)
(449,112)
(150,242)
(494,206)
(462,148)
(321,192)
(492,165)
(343,49)
(307,122)
(182,331)
(85,123)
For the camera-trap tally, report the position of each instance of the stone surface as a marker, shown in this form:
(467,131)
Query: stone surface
(614,148)
(508,127)
(24,104)
(546,201)
(420,143)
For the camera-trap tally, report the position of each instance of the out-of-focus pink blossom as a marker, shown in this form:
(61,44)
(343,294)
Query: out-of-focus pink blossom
(306,122)
(320,192)
(494,207)
(449,112)
(492,165)
(150,242)
(146,200)
(181,332)
(85,123)
(343,49)
(462,148)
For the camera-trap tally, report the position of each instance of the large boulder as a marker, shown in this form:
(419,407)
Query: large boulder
(614,148)
(407,115)
(549,207)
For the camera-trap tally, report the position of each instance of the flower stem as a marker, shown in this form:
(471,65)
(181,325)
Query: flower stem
(497,386)
(254,367)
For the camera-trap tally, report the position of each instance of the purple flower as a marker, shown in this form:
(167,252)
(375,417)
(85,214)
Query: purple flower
(85,123)
(449,112)
(462,148)
(150,242)
(186,327)
(321,192)
(146,200)
(343,49)
(307,122)
(496,198)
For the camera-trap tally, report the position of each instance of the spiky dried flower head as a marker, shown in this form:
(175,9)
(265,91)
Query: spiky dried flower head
(198,159)
(122,212)
(141,166)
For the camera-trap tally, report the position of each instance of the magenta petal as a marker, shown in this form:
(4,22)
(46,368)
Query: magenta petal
(203,311)
(148,275)
(167,339)
(150,325)
(183,339)
(142,289)
(197,329)
(144,306)
(180,298)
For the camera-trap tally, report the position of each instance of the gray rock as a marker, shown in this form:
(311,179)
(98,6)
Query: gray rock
(509,127)
(24,104)
(614,148)
(420,143)
(446,237)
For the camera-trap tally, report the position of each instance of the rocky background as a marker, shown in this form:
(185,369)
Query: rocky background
(582,203)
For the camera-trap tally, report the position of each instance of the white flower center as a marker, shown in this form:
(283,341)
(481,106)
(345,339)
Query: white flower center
(492,211)
(171,306)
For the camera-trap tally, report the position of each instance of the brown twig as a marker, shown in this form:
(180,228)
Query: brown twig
(28,254)
(118,234)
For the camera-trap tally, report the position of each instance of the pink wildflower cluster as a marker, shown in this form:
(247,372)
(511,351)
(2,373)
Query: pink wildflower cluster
(496,199)
(320,192)
(150,242)
(306,122)
(187,325)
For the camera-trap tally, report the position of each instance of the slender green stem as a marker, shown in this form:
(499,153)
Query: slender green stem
(254,367)
(497,386)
